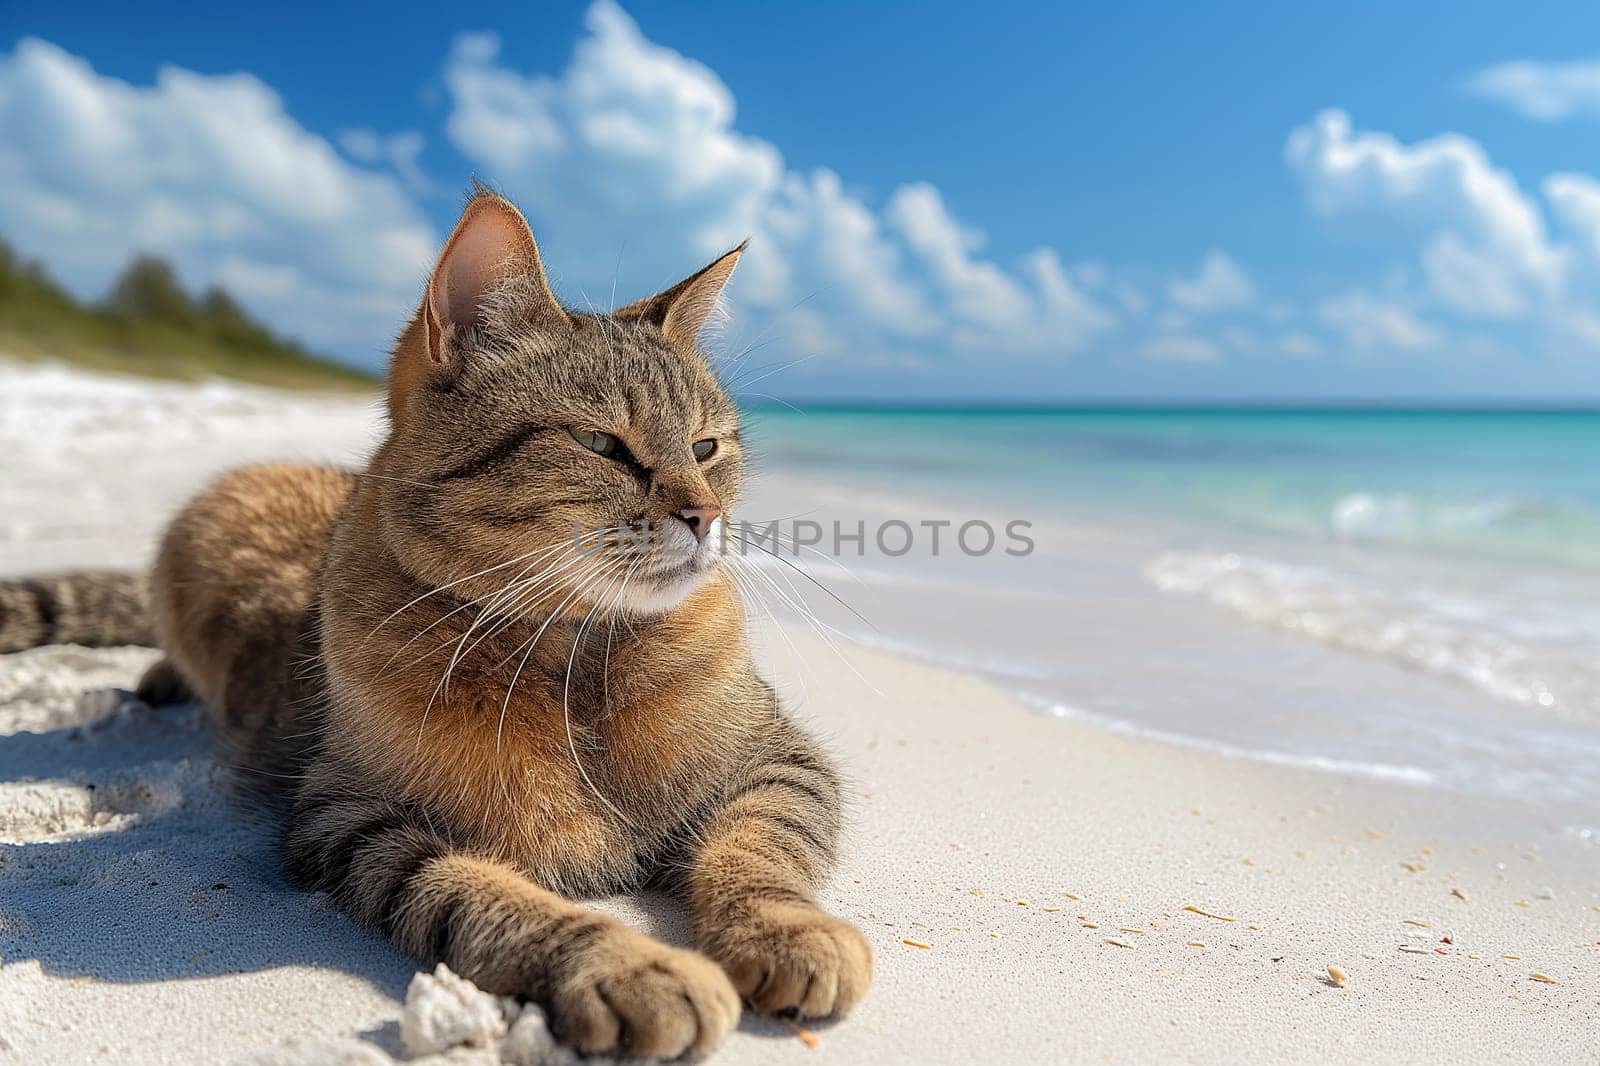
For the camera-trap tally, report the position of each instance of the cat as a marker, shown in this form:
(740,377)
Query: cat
(475,700)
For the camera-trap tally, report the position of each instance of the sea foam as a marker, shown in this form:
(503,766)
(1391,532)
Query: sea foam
(1495,644)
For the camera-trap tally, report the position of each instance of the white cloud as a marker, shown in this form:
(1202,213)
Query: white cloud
(1240,339)
(1542,91)
(1220,285)
(633,143)
(1581,328)
(633,152)
(405,155)
(1132,300)
(978,290)
(400,151)
(1182,349)
(1091,274)
(362,145)
(633,148)
(824,238)
(1065,314)
(1485,251)
(1299,345)
(1370,323)
(212,173)
(1575,201)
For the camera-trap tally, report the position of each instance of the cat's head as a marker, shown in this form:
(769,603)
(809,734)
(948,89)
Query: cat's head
(595,454)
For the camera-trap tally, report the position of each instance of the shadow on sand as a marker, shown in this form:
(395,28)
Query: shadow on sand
(132,859)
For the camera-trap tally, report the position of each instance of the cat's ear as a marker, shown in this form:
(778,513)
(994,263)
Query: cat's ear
(490,246)
(681,311)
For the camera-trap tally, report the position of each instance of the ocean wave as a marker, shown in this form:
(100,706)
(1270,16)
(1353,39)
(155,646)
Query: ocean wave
(1396,772)
(1389,515)
(1506,647)
(1524,525)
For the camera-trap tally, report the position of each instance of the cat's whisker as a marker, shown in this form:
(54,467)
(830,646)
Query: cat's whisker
(758,602)
(519,612)
(526,603)
(442,686)
(533,642)
(441,588)
(507,592)
(770,326)
(748,350)
(489,612)
(536,591)
(586,583)
(799,657)
(799,570)
(611,631)
(515,604)
(767,371)
(799,605)
(784,539)
(616,268)
(513,607)
(796,601)
(525,608)
(807,513)
(467,605)
(496,600)
(515,590)
(774,399)
(566,695)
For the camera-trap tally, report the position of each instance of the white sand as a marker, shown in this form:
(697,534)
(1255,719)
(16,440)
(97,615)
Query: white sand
(144,917)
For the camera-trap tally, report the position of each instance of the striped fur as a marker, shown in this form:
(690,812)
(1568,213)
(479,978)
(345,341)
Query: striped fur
(770,840)
(94,608)
(469,723)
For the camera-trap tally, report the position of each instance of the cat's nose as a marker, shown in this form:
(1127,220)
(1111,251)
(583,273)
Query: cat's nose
(699,519)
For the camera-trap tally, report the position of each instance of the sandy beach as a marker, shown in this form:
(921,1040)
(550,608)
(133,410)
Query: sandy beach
(1035,889)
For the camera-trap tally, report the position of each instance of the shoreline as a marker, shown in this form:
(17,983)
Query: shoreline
(1275,656)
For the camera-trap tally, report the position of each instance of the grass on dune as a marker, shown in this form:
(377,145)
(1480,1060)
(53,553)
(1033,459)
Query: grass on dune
(148,325)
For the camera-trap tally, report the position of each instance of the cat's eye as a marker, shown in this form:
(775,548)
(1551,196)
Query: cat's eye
(705,449)
(599,443)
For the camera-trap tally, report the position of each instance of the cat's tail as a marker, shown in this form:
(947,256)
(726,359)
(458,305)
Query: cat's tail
(99,608)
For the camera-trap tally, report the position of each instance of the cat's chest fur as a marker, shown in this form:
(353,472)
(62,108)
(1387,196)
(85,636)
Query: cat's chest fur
(578,776)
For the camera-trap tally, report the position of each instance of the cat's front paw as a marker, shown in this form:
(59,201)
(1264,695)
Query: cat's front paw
(634,996)
(794,957)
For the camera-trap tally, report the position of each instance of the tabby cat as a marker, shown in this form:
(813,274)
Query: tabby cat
(477,698)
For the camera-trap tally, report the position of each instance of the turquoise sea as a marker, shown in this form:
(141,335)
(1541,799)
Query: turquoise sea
(1507,484)
(1411,593)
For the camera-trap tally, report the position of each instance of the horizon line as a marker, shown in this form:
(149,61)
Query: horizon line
(1347,405)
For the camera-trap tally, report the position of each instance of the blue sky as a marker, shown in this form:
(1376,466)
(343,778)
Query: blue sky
(1155,201)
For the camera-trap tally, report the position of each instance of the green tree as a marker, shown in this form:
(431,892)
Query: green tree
(232,324)
(148,288)
(23,280)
